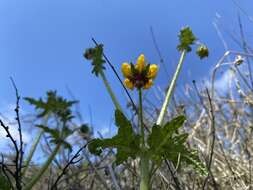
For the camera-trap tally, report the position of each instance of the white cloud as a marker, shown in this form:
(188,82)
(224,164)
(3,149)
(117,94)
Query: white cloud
(105,131)
(222,84)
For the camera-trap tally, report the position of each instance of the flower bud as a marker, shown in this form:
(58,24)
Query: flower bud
(202,51)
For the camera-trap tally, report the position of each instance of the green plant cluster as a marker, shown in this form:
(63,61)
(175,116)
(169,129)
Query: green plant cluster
(55,105)
(163,143)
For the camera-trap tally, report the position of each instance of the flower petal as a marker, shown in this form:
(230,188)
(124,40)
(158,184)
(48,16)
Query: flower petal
(152,71)
(126,70)
(148,84)
(140,64)
(128,84)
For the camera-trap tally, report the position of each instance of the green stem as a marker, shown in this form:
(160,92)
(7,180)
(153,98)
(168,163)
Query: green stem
(36,178)
(144,160)
(31,153)
(108,87)
(144,173)
(170,90)
(34,146)
(141,119)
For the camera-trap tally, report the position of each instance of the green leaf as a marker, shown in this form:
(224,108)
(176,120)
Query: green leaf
(161,137)
(53,104)
(96,56)
(53,132)
(121,120)
(166,143)
(126,142)
(95,147)
(172,126)
(186,38)
(154,139)
(192,159)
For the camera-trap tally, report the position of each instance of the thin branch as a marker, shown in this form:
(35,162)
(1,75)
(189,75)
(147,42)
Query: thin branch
(16,161)
(175,179)
(158,50)
(20,134)
(72,161)
(244,44)
(212,117)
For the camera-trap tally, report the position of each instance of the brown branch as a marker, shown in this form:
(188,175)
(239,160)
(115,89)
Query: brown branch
(21,153)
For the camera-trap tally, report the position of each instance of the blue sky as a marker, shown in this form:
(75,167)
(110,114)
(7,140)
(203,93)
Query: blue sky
(42,42)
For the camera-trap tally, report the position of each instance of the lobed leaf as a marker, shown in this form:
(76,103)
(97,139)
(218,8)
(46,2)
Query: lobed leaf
(126,142)
(166,143)
(53,132)
(53,104)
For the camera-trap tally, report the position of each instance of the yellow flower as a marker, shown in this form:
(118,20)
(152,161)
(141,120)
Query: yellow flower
(152,71)
(128,84)
(140,64)
(140,75)
(126,70)
(148,84)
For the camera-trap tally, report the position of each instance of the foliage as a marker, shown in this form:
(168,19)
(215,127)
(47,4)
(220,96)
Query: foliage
(186,39)
(126,142)
(57,136)
(53,104)
(96,56)
(166,143)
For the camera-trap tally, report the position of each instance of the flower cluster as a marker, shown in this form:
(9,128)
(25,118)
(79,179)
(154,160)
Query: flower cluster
(140,75)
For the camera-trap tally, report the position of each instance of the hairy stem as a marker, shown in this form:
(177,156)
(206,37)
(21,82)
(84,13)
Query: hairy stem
(170,90)
(34,147)
(141,120)
(31,153)
(144,173)
(108,87)
(144,161)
